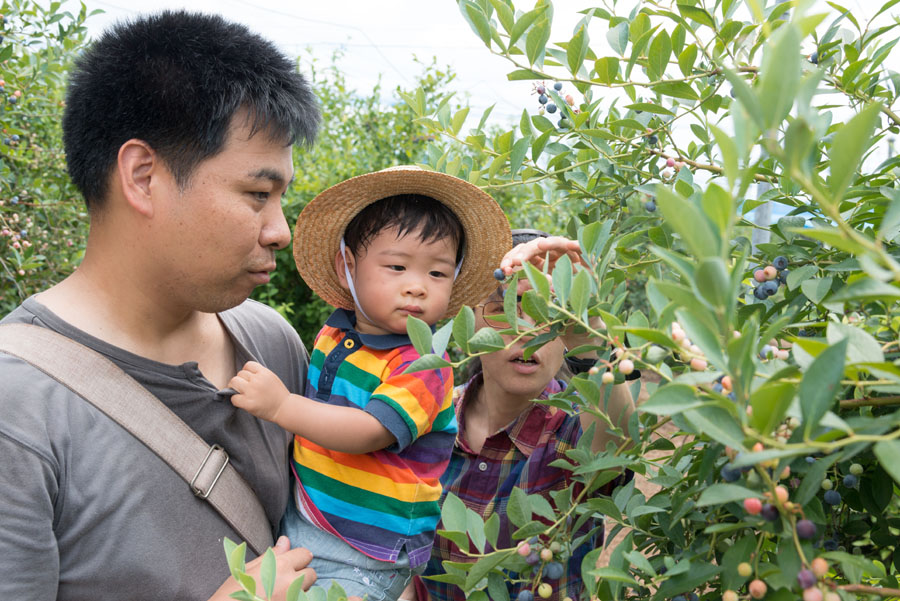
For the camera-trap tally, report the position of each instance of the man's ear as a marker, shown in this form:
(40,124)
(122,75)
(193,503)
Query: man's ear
(137,166)
(339,263)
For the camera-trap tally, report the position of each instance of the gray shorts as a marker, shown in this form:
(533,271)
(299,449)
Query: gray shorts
(336,561)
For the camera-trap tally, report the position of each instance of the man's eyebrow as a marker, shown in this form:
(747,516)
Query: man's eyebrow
(271,175)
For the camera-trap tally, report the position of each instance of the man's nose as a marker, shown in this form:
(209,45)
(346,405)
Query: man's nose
(275,232)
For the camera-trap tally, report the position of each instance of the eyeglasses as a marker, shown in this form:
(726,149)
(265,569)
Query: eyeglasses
(495,316)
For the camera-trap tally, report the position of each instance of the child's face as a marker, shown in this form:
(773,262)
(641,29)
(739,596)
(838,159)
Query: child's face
(400,276)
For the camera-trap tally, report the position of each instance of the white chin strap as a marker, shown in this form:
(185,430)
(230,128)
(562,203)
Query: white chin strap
(353,288)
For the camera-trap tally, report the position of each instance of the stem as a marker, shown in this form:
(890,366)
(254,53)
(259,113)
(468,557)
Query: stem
(870,402)
(870,590)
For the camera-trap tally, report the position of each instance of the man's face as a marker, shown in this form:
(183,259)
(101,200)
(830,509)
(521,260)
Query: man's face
(216,239)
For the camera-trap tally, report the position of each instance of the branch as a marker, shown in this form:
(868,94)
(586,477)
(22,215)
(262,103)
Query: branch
(870,590)
(870,402)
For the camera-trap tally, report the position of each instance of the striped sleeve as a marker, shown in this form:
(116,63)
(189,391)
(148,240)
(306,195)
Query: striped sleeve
(411,405)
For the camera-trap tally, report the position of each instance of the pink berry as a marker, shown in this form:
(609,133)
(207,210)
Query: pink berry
(524,549)
(759,275)
(607,377)
(546,554)
(812,594)
(752,505)
(770,272)
(670,162)
(819,566)
(781,493)
(698,364)
(626,366)
(758,589)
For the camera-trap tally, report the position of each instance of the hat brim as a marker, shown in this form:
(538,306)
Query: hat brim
(322,222)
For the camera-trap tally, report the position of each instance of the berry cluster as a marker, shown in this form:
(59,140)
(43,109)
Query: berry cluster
(546,105)
(545,563)
(770,278)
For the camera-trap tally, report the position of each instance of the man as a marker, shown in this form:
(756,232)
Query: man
(178,132)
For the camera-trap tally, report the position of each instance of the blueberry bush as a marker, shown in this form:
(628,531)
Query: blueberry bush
(42,218)
(777,362)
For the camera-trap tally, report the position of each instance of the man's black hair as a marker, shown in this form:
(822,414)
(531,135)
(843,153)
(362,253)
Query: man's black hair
(409,213)
(175,80)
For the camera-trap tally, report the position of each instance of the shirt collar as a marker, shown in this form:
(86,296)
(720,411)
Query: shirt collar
(526,431)
(343,319)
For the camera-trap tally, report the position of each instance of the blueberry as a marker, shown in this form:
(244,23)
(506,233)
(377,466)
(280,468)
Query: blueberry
(15,137)
(679,598)
(814,58)
(765,351)
(729,473)
(557,86)
(782,276)
(810,459)
(732,93)
(543,99)
(732,396)
(499,275)
(525,596)
(832,497)
(717,388)
(7,141)
(769,512)
(693,597)
(780,263)
(533,558)
(551,108)
(806,530)
(14,200)
(850,481)
(806,578)
(770,287)
(653,140)
(831,544)
(24,233)
(554,570)
(759,293)
(12,99)
(650,206)
(541,90)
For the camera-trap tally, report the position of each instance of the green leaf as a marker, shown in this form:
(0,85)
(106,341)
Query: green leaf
(719,494)
(577,49)
(729,153)
(848,147)
(862,346)
(486,339)
(815,290)
(464,327)
(524,22)
(520,148)
(713,282)
(658,55)
(812,481)
(607,69)
(618,37)
(718,424)
(453,513)
(796,276)
(475,529)
(536,41)
(686,59)
(538,280)
(419,334)
(492,529)
(517,508)
(688,223)
(581,292)
(427,363)
(477,20)
(267,572)
(697,14)
(671,399)
(770,403)
(650,108)
(441,339)
(820,383)
(562,278)
(867,289)
(676,89)
(295,590)
(780,75)
(746,97)
(483,566)
(887,452)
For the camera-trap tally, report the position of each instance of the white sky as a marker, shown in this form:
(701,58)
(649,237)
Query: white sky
(382,37)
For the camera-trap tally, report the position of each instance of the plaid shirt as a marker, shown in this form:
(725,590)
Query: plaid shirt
(516,456)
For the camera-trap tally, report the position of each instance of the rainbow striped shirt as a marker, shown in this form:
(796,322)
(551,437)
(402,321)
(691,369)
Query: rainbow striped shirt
(383,501)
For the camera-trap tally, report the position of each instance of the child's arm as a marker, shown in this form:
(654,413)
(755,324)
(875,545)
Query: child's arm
(342,429)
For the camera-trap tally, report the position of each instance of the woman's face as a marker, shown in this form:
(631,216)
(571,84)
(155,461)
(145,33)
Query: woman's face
(508,369)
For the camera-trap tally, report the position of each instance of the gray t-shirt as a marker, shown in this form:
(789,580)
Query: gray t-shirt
(88,512)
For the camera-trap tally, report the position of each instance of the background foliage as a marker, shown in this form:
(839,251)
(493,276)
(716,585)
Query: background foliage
(663,121)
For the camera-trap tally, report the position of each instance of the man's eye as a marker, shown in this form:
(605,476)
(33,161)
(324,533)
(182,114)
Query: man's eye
(261,196)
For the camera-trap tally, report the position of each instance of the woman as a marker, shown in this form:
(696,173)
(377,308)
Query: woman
(505,439)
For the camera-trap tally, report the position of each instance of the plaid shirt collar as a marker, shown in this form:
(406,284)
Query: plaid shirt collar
(527,431)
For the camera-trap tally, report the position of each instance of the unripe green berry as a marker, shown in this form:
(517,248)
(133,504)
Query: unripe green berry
(827,484)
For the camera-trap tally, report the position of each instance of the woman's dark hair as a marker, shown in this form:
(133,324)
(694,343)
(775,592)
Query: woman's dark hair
(175,80)
(408,213)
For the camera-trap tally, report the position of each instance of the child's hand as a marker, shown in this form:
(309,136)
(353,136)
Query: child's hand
(260,391)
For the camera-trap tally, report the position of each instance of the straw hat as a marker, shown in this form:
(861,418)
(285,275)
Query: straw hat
(322,222)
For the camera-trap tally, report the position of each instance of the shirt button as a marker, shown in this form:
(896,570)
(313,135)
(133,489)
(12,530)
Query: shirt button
(482,466)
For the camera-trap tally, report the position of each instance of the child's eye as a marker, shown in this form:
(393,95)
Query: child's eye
(396,267)
(438,274)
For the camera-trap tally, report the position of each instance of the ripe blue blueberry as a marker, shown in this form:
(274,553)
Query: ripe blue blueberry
(551,108)
(814,58)
(693,597)
(554,570)
(769,512)
(782,276)
(14,200)
(765,351)
(499,275)
(12,99)
(525,596)
(780,263)
(557,86)
(806,530)
(831,544)
(806,578)
(770,287)
(650,206)
(541,90)
(653,140)
(850,481)
(759,293)
(810,459)
(679,598)
(729,473)
(7,141)
(832,497)
(24,233)
(543,99)
(15,137)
